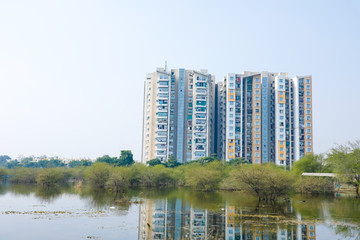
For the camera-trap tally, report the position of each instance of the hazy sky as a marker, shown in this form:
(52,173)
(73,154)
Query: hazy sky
(72,72)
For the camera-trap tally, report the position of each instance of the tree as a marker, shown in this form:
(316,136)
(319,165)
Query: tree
(98,174)
(126,158)
(106,159)
(172,162)
(80,163)
(4,159)
(311,163)
(203,178)
(119,179)
(50,177)
(264,181)
(345,160)
(237,161)
(3,173)
(154,162)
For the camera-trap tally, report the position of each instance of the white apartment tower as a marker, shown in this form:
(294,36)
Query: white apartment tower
(179,115)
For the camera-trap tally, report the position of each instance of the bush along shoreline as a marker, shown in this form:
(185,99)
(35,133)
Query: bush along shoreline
(267,182)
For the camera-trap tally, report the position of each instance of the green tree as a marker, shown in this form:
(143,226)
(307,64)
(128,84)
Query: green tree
(172,162)
(126,158)
(50,177)
(154,162)
(310,163)
(205,178)
(98,174)
(266,182)
(12,164)
(119,179)
(80,163)
(237,161)
(23,175)
(4,159)
(3,173)
(106,159)
(345,160)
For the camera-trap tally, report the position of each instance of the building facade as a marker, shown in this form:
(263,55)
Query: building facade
(264,117)
(179,115)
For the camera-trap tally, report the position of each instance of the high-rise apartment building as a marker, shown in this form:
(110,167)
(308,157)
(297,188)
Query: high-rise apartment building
(179,115)
(264,117)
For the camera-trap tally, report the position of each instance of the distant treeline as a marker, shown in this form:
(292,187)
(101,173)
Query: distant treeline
(266,182)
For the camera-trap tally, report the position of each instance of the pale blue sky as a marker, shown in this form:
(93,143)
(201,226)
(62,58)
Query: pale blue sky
(72,72)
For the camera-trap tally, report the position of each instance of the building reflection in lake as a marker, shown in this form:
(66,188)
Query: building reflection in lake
(175,219)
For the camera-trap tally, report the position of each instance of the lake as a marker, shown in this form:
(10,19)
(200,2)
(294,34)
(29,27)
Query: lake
(30,212)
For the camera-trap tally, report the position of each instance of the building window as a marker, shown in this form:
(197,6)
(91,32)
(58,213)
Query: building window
(257,142)
(231,85)
(281,80)
(307,86)
(231,121)
(308,99)
(281,130)
(281,87)
(308,105)
(257,123)
(281,99)
(257,116)
(308,118)
(309,149)
(257,92)
(232,103)
(231,90)
(281,136)
(281,155)
(231,134)
(281,149)
(308,130)
(281,117)
(307,80)
(257,129)
(257,135)
(257,154)
(231,128)
(308,111)
(307,93)
(257,80)
(257,86)
(308,124)
(309,143)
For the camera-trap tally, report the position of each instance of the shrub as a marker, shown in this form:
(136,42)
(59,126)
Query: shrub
(263,181)
(203,178)
(50,177)
(314,185)
(23,175)
(3,173)
(98,174)
(119,179)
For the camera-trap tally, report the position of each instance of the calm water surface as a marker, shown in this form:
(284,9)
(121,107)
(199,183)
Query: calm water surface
(29,212)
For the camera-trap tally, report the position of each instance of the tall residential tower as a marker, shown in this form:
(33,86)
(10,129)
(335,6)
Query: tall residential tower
(179,115)
(264,117)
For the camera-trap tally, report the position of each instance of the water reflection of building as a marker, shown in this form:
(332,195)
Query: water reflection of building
(175,219)
(242,224)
